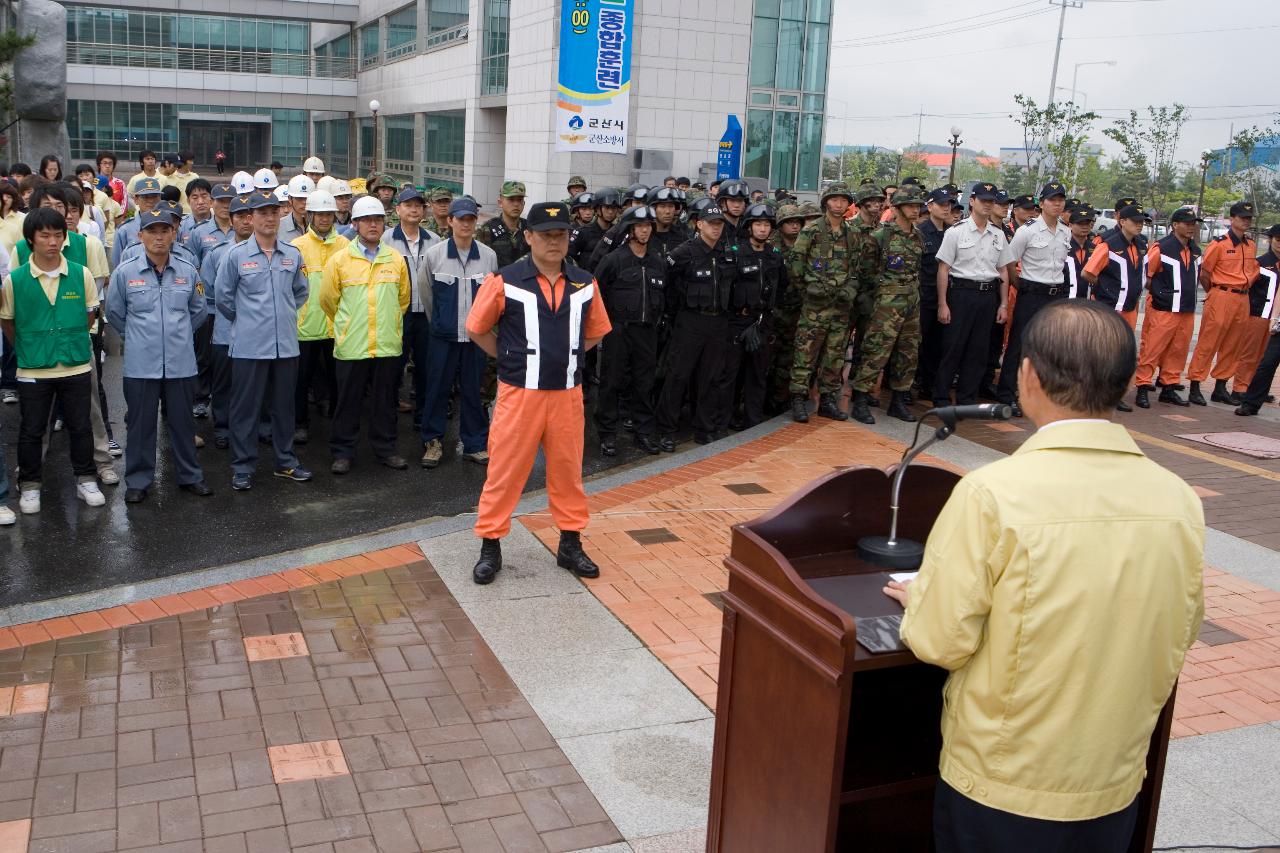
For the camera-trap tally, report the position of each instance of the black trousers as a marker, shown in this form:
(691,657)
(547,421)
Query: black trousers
(36,401)
(417,344)
(696,355)
(142,397)
(1260,385)
(931,336)
(255,381)
(315,368)
(8,365)
(743,376)
(628,365)
(220,389)
(964,344)
(1025,307)
(383,377)
(203,337)
(961,825)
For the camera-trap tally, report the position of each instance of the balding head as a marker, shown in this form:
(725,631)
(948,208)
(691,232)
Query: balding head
(1083,356)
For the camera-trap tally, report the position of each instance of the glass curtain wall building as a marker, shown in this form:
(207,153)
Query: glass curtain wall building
(790,49)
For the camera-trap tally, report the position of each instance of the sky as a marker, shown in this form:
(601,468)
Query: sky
(962,63)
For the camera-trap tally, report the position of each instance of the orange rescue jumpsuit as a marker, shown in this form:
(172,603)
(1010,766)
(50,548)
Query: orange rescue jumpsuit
(1227,269)
(1166,335)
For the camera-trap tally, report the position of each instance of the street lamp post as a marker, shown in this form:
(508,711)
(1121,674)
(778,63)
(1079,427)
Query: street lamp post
(374,106)
(1206,157)
(956,142)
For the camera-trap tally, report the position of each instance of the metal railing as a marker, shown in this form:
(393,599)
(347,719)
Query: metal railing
(444,38)
(406,49)
(369,60)
(210,59)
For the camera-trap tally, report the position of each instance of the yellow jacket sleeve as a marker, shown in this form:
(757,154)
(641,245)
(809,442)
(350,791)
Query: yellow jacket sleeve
(949,601)
(331,286)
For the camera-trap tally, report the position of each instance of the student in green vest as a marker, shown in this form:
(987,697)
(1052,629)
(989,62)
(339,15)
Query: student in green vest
(46,311)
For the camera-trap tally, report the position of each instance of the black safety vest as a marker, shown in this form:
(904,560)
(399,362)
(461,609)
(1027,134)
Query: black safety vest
(701,276)
(1120,282)
(756,286)
(633,287)
(541,347)
(1173,288)
(1262,292)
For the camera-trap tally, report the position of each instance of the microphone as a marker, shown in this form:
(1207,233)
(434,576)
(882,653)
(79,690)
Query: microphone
(951,415)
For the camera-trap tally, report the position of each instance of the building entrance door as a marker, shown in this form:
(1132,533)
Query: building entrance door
(246,144)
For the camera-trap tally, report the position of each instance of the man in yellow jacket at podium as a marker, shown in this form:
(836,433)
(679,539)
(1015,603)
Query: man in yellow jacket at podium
(1061,587)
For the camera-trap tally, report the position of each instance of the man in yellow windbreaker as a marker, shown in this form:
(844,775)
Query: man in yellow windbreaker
(364,290)
(315,331)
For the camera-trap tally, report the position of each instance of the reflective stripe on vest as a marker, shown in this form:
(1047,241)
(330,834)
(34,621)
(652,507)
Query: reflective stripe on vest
(1122,262)
(1175,270)
(1271,291)
(532,336)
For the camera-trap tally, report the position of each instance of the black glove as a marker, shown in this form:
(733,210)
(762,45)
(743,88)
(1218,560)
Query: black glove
(751,339)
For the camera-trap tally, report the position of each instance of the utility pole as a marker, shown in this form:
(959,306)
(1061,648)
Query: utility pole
(1053,78)
(919,125)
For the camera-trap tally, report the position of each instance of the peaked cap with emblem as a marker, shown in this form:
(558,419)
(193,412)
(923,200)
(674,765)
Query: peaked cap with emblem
(1242,209)
(549,216)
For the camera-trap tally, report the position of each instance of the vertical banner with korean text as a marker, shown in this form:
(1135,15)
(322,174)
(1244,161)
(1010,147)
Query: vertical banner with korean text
(594,83)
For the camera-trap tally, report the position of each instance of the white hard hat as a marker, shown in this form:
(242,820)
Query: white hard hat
(341,187)
(300,186)
(282,193)
(367,206)
(265,179)
(321,201)
(313,164)
(326,183)
(242,183)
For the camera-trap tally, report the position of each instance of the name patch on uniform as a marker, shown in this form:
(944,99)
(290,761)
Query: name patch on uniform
(179,280)
(286,262)
(248,266)
(137,282)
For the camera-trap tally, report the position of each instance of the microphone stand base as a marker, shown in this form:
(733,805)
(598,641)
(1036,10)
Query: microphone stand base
(901,554)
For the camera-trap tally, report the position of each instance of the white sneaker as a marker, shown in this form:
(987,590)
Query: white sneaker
(91,494)
(108,476)
(7,516)
(29,502)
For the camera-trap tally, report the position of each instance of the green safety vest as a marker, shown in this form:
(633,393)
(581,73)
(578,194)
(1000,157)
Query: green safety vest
(50,334)
(74,251)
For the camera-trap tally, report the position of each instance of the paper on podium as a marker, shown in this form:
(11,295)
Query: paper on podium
(903,577)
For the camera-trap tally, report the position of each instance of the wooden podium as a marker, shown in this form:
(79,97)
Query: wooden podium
(821,745)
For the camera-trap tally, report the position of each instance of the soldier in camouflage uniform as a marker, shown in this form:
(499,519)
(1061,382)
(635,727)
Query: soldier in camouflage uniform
(383,187)
(870,201)
(505,233)
(820,265)
(438,222)
(576,185)
(786,312)
(893,333)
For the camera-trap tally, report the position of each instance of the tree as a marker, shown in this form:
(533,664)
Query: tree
(1148,145)
(1053,136)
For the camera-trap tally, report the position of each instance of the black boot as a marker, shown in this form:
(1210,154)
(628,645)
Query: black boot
(490,562)
(571,556)
(898,407)
(800,408)
(1194,396)
(1245,409)
(828,408)
(858,409)
(1236,398)
(1122,406)
(647,444)
(1141,398)
(1220,393)
(1169,394)
(608,446)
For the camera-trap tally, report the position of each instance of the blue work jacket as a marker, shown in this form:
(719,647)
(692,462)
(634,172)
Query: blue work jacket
(209,275)
(204,237)
(261,296)
(156,312)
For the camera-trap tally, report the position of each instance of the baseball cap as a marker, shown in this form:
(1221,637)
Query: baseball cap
(985,192)
(1024,202)
(1083,214)
(223,191)
(1185,214)
(1125,201)
(711,213)
(155,217)
(263,198)
(1273,231)
(1131,211)
(512,189)
(463,207)
(241,204)
(147,186)
(409,194)
(440,194)
(938,196)
(1051,189)
(1002,197)
(547,215)
(1242,209)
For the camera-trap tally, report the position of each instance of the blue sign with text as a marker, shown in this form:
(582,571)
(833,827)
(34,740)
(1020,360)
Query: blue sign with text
(729,158)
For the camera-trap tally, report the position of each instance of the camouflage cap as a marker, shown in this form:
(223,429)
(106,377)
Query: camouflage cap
(512,189)
(867,192)
(576,181)
(907,194)
(440,194)
(379,179)
(809,210)
(839,188)
(789,211)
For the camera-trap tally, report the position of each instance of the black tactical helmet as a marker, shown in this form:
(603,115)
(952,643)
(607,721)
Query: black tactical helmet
(701,204)
(667,194)
(582,200)
(637,192)
(609,197)
(636,216)
(735,189)
(759,213)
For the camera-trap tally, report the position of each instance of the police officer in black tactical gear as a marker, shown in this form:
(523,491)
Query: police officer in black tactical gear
(668,230)
(632,280)
(733,199)
(700,275)
(746,363)
(583,242)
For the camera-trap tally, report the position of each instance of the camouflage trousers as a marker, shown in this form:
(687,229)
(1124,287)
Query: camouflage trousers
(892,342)
(784,351)
(863,307)
(822,335)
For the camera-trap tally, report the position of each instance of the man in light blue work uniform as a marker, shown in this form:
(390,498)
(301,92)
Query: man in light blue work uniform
(260,287)
(147,195)
(219,360)
(217,229)
(203,237)
(155,302)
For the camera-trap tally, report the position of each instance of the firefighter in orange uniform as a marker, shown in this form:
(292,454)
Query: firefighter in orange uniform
(1114,270)
(538,317)
(1172,263)
(1227,270)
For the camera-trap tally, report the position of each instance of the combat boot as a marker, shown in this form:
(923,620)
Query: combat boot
(828,408)
(800,408)
(858,409)
(1140,398)
(1169,394)
(490,562)
(569,555)
(898,408)
(1194,396)
(1220,393)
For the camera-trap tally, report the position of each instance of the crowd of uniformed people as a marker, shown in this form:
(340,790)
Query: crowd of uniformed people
(257,304)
